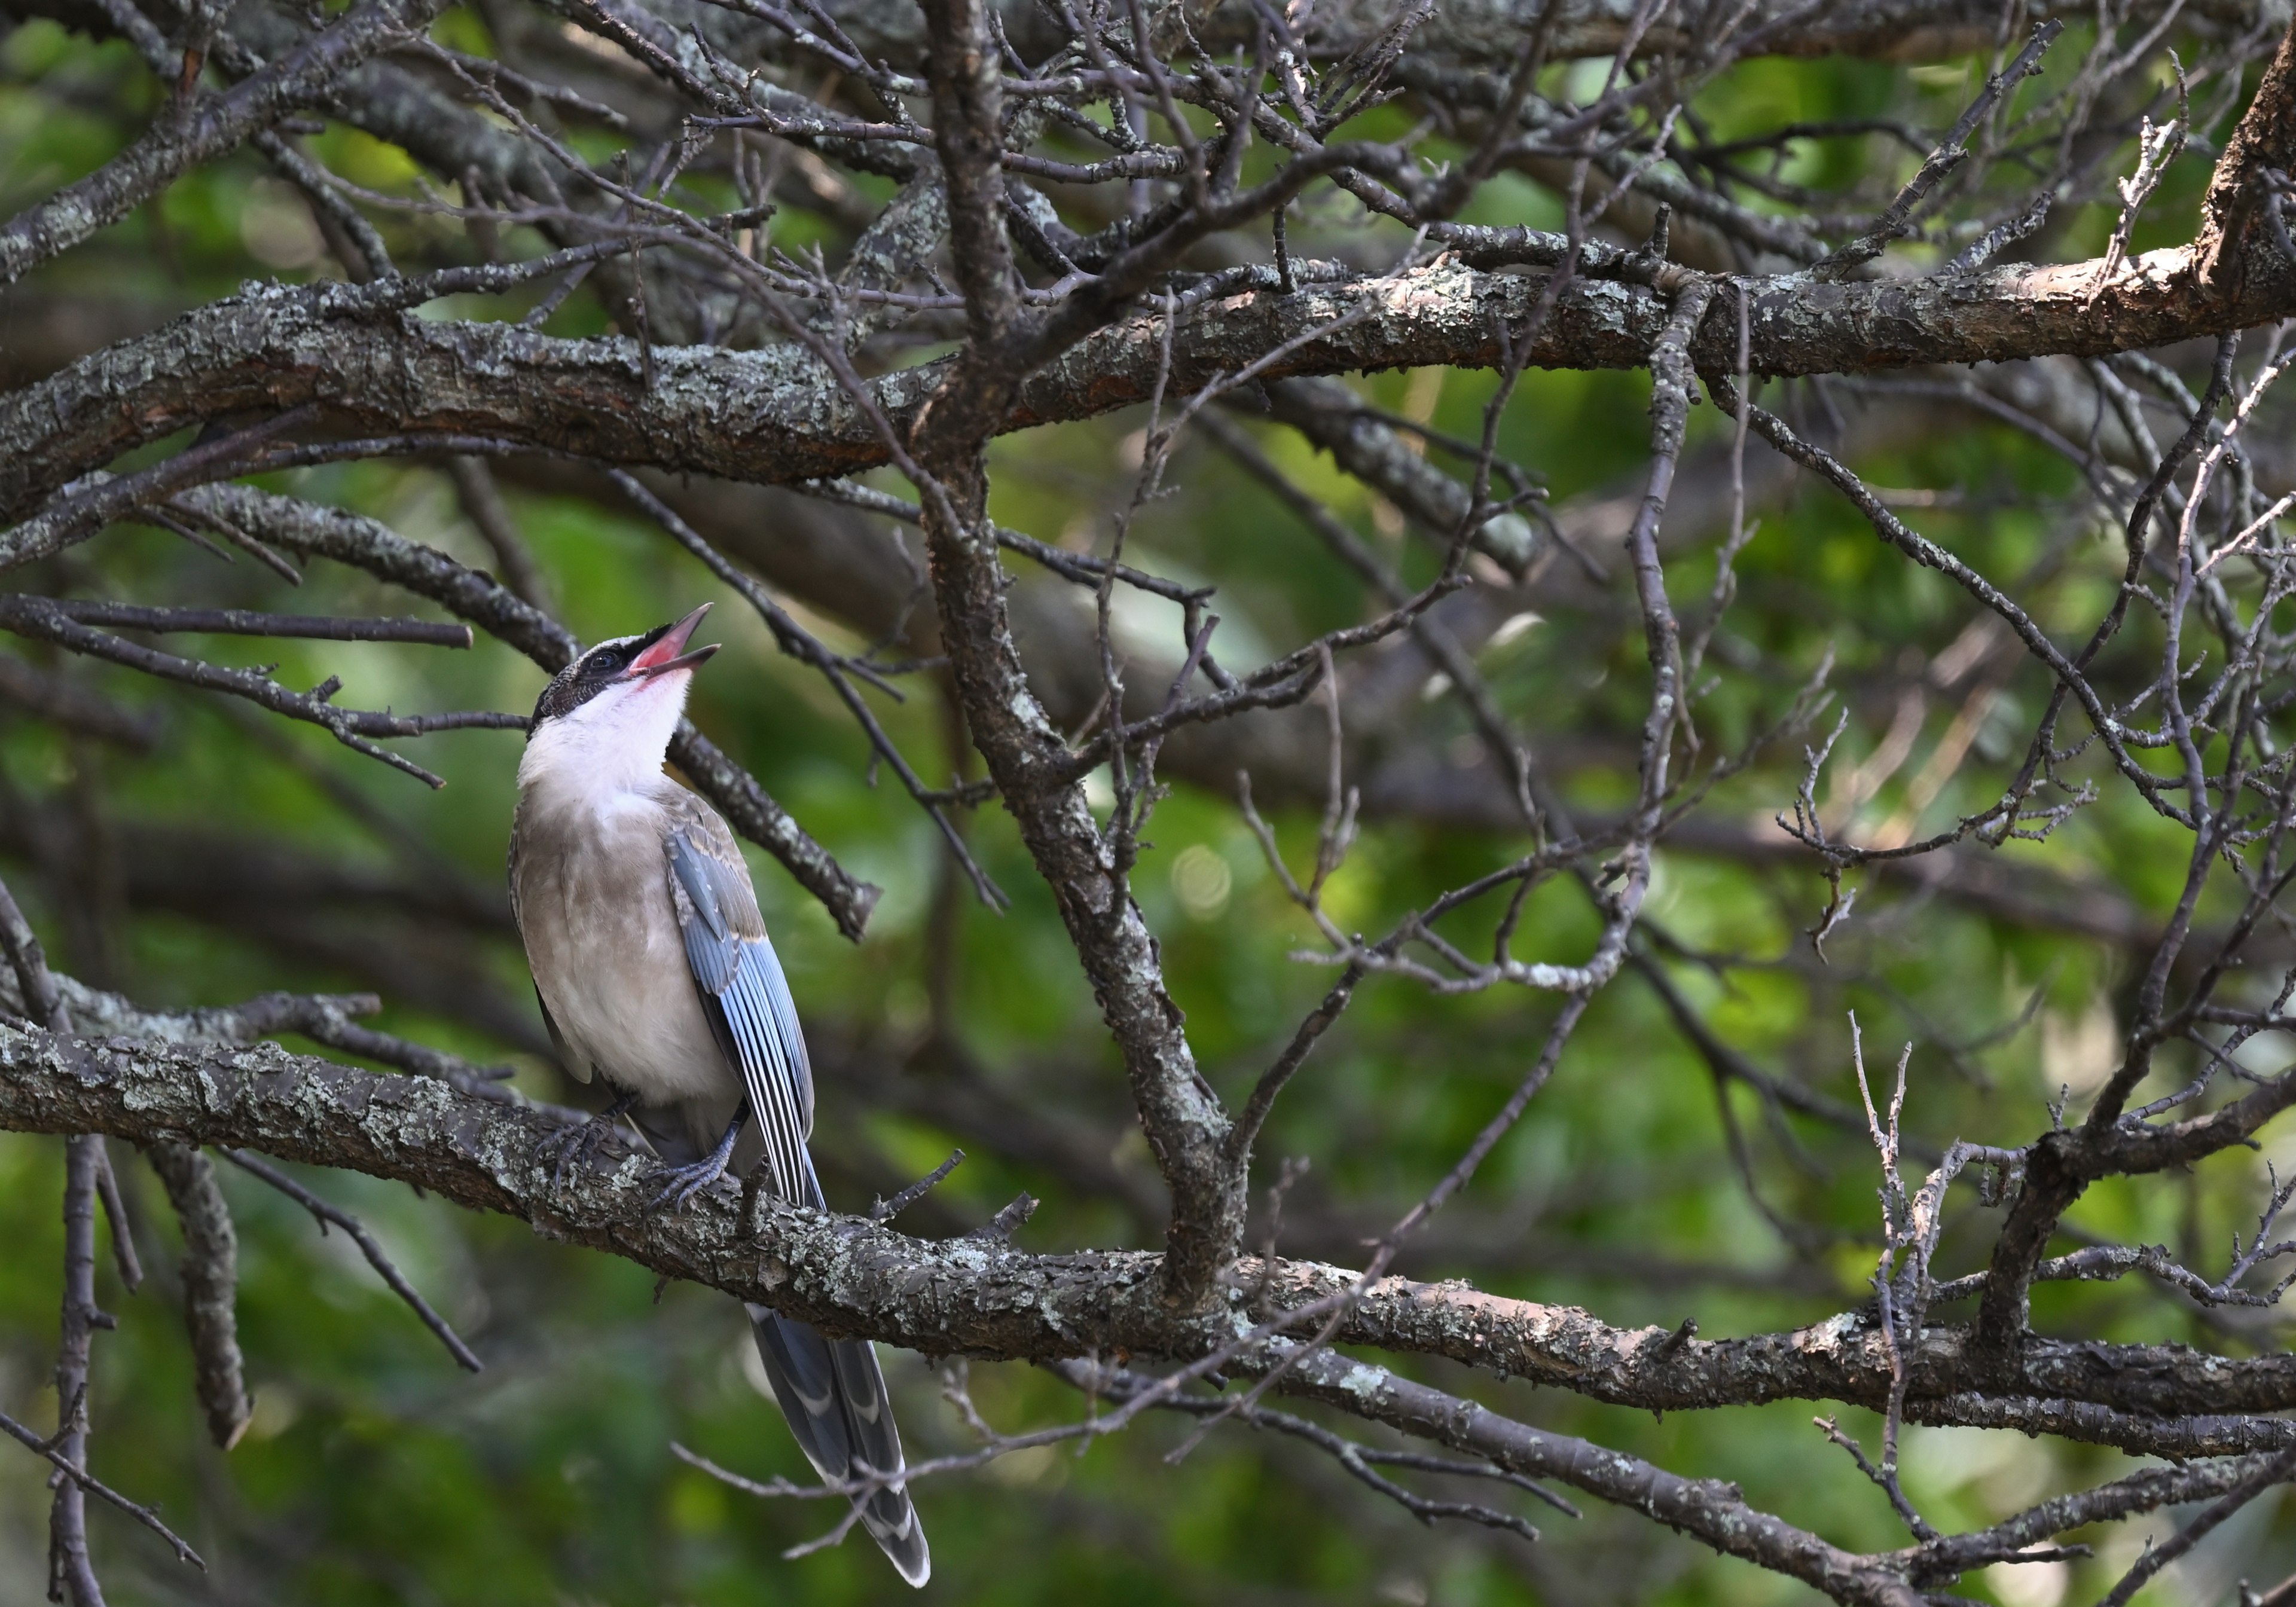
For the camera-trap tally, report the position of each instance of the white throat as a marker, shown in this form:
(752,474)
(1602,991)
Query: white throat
(609,747)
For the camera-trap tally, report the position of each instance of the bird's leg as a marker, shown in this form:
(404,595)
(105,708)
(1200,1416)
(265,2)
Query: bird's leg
(687,1181)
(577,1147)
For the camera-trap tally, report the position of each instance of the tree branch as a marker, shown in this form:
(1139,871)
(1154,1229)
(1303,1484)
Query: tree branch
(849,1275)
(778,414)
(210,1274)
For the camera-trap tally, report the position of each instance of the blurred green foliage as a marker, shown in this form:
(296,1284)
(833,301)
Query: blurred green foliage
(375,1473)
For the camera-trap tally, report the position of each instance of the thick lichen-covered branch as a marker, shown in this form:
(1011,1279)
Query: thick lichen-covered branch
(777,414)
(971,1295)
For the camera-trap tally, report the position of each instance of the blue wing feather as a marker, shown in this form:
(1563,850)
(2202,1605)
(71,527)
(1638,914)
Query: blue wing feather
(746,996)
(831,1391)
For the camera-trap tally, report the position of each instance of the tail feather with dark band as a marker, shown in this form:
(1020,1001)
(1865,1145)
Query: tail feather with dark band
(834,1395)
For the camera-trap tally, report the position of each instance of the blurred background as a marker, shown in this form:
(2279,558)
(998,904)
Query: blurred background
(187,852)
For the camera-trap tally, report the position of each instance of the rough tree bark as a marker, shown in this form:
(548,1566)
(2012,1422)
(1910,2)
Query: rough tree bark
(1191,213)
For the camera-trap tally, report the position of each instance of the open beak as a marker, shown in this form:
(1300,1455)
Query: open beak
(668,650)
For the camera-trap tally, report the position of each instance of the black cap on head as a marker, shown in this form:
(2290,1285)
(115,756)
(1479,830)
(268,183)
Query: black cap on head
(623,659)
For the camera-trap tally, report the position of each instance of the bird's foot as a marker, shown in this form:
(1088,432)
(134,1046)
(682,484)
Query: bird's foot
(685,1182)
(579,1146)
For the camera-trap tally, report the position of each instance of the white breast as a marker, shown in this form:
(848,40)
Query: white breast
(601,937)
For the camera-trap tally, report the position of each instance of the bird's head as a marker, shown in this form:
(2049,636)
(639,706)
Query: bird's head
(607,716)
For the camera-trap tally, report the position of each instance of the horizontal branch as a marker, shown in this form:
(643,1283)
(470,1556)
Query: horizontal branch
(971,1295)
(1709,1509)
(247,622)
(1492,31)
(777,414)
(2147,1489)
(323,1017)
(41,619)
(1845,1358)
(2200,1434)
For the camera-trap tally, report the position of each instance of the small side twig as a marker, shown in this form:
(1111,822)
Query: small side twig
(328,1214)
(885,1210)
(1004,1224)
(115,1215)
(31,1440)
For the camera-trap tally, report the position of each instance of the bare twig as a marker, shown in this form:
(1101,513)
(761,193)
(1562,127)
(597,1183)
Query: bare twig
(327,1214)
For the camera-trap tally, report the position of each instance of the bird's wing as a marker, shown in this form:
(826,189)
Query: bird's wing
(742,990)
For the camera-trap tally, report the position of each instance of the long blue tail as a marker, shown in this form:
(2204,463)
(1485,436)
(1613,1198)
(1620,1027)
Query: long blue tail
(830,1390)
(834,1395)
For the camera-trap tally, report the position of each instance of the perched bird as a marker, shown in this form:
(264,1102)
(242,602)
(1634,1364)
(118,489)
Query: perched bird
(657,977)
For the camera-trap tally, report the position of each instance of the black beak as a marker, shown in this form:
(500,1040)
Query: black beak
(667,652)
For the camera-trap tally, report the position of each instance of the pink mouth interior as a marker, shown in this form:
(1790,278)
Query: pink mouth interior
(662,651)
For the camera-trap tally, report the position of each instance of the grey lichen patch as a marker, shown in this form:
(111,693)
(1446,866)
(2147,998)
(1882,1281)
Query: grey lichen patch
(976,1297)
(1609,305)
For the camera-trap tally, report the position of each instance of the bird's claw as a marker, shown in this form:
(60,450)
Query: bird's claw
(686,1181)
(576,1148)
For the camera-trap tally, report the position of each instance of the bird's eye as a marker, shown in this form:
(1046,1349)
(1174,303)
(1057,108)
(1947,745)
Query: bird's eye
(610,661)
